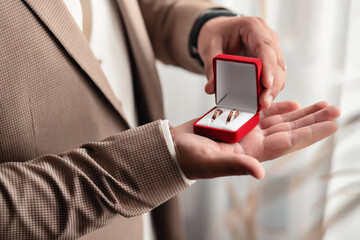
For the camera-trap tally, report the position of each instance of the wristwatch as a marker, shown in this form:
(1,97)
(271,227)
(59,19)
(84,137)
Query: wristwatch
(200,21)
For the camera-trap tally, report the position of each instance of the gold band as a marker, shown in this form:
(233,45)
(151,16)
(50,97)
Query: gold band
(216,114)
(231,114)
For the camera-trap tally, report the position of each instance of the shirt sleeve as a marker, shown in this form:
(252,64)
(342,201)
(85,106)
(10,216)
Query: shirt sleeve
(170,144)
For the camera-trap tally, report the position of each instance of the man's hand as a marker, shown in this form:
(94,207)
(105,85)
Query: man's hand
(283,128)
(245,36)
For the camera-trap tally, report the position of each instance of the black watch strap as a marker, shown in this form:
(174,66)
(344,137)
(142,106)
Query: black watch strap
(200,21)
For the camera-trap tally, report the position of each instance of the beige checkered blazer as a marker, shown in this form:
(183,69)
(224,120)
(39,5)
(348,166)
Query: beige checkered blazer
(69,165)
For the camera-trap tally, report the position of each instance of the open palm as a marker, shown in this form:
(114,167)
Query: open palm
(283,128)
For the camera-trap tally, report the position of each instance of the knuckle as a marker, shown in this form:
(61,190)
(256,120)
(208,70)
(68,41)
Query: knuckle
(267,42)
(253,21)
(261,44)
(261,20)
(281,63)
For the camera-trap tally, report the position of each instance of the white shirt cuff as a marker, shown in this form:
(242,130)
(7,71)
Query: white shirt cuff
(170,144)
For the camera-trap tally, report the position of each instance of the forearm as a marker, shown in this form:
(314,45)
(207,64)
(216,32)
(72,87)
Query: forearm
(169,23)
(67,195)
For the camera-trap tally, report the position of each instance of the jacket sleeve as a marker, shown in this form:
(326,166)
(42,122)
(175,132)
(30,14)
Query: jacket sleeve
(65,196)
(169,23)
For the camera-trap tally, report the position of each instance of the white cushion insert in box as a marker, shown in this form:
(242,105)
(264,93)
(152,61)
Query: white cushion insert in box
(220,122)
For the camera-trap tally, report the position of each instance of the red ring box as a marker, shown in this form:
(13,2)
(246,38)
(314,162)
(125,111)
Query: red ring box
(237,87)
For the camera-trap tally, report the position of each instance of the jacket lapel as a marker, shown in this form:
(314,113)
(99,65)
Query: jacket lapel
(150,102)
(59,21)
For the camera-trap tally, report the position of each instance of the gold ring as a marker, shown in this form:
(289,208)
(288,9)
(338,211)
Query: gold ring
(216,114)
(232,112)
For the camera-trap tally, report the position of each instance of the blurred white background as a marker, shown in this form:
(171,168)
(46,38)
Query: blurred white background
(299,198)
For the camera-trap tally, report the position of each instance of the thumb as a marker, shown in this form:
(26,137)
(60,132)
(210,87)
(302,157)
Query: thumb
(208,66)
(230,164)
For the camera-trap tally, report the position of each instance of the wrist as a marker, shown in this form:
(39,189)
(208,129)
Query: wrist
(173,132)
(199,23)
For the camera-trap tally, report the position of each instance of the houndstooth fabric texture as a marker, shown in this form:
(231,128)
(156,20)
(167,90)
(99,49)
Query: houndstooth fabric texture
(51,188)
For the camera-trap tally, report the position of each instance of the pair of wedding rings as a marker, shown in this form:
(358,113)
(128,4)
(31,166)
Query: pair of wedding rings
(233,113)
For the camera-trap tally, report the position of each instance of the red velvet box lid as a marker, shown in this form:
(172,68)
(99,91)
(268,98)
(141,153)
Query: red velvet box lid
(237,86)
(237,82)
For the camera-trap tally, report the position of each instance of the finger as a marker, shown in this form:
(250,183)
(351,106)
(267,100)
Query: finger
(277,86)
(266,53)
(230,164)
(305,136)
(279,108)
(209,54)
(292,116)
(282,68)
(282,143)
(282,73)
(266,47)
(266,98)
(269,78)
(279,54)
(210,85)
(257,37)
(329,113)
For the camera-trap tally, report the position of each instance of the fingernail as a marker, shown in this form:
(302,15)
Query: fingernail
(271,79)
(285,67)
(269,99)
